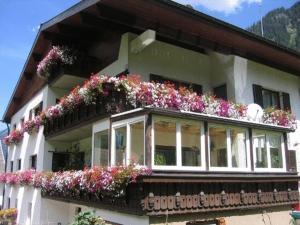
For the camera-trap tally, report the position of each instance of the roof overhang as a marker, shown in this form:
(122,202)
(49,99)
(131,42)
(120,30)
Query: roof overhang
(173,23)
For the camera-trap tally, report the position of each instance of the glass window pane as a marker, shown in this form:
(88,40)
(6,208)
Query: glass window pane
(238,147)
(275,150)
(218,147)
(266,99)
(190,144)
(137,143)
(101,148)
(120,149)
(259,145)
(165,143)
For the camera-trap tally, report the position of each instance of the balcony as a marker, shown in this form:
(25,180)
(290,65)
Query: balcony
(158,194)
(114,102)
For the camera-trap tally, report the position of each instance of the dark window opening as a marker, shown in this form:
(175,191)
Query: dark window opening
(221,91)
(19,164)
(38,109)
(177,84)
(268,98)
(33,161)
(8,203)
(22,122)
(11,166)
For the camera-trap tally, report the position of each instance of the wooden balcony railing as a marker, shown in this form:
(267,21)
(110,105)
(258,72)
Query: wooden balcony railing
(181,194)
(115,102)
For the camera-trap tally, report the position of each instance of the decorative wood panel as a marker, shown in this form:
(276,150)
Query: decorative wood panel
(157,198)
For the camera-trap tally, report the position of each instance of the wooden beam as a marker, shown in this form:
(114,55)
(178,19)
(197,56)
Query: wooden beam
(37,57)
(79,33)
(58,38)
(28,76)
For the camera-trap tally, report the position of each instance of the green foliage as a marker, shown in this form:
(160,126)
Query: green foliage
(281,26)
(87,218)
(159,159)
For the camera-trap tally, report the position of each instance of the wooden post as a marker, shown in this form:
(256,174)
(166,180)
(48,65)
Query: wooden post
(251,149)
(148,140)
(206,146)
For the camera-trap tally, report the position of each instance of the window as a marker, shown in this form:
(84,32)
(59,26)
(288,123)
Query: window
(268,150)
(22,122)
(30,115)
(221,91)
(228,147)
(8,202)
(38,109)
(19,164)
(11,166)
(29,212)
(128,142)
(191,144)
(178,144)
(164,142)
(101,148)
(33,161)
(269,98)
(192,86)
(137,141)
(120,145)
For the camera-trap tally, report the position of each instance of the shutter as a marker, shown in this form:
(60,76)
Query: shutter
(286,103)
(292,160)
(221,91)
(257,94)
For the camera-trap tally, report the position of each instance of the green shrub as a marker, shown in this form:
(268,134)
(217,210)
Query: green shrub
(88,218)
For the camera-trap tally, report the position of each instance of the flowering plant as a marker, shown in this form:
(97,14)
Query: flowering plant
(14,138)
(140,94)
(279,117)
(58,55)
(8,215)
(100,181)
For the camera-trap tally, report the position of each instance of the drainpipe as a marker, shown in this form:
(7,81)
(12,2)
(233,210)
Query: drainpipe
(5,162)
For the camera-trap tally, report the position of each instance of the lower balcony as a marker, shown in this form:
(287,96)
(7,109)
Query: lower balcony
(159,194)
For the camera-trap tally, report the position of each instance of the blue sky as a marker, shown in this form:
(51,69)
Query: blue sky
(20,20)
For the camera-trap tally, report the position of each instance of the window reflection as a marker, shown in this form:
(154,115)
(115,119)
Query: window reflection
(121,143)
(218,147)
(101,148)
(137,143)
(165,143)
(190,144)
(238,147)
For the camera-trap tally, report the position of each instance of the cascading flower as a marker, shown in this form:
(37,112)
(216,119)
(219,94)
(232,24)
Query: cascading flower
(58,55)
(141,94)
(111,181)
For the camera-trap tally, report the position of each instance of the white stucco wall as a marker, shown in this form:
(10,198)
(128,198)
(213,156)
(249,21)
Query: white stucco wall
(209,70)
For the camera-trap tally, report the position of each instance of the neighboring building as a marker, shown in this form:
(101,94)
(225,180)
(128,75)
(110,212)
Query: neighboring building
(200,175)
(3,155)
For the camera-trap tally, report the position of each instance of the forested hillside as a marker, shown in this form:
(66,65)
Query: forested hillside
(282,26)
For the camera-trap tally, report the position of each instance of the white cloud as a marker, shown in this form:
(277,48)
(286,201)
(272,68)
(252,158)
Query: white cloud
(226,6)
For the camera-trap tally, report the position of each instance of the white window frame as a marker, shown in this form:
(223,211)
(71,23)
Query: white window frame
(229,151)
(178,165)
(282,145)
(125,123)
(99,126)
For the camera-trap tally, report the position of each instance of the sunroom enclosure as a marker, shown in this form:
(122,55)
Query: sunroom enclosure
(167,140)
